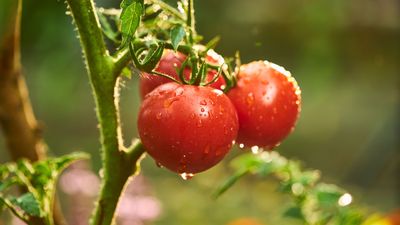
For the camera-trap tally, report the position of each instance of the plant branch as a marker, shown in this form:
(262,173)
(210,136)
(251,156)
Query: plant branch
(17,120)
(169,8)
(118,164)
(21,130)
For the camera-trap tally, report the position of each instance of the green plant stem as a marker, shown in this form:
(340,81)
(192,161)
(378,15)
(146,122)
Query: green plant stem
(190,22)
(118,163)
(169,8)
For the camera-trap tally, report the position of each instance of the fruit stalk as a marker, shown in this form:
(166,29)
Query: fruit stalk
(118,162)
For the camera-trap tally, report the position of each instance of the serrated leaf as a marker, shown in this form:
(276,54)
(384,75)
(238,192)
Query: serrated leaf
(132,10)
(177,35)
(29,204)
(64,161)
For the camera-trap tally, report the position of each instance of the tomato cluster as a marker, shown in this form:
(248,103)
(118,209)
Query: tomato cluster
(189,129)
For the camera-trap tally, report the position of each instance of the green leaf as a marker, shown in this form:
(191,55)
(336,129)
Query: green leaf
(177,35)
(294,213)
(38,178)
(328,194)
(213,42)
(29,204)
(132,10)
(126,72)
(107,29)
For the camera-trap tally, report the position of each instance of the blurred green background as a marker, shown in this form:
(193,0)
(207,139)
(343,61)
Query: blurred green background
(344,54)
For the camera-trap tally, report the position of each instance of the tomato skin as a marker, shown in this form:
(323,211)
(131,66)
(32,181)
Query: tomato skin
(169,63)
(267,99)
(185,128)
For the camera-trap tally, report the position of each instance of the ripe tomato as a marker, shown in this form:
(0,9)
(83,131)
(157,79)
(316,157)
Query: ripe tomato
(267,100)
(185,128)
(169,63)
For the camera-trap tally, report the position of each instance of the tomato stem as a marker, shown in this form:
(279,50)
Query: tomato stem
(103,70)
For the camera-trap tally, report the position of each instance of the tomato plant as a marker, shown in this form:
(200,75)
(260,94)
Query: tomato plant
(186,128)
(170,63)
(267,100)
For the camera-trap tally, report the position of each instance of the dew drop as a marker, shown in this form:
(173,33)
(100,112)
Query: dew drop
(241,145)
(187,176)
(297,102)
(207,149)
(203,102)
(275,110)
(217,92)
(219,152)
(158,116)
(158,164)
(178,91)
(255,149)
(202,109)
(345,199)
(192,115)
(168,102)
(250,99)
(101,173)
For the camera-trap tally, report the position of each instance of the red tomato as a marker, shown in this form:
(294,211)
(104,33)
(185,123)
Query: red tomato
(267,100)
(185,128)
(169,63)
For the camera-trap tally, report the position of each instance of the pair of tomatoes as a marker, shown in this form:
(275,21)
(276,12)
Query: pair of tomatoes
(189,129)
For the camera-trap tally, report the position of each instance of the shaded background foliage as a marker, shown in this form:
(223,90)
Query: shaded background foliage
(344,54)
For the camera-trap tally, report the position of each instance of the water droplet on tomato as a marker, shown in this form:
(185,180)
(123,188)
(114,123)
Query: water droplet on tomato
(158,116)
(275,110)
(199,123)
(218,92)
(297,102)
(192,115)
(241,145)
(187,176)
(101,173)
(168,102)
(219,152)
(250,99)
(203,102)
(202,109)
(178,91)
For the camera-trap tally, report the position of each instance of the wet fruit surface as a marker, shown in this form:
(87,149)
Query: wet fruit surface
(267,100)
(187,129)
(169,64)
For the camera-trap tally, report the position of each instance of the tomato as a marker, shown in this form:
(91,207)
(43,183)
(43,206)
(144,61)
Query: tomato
(267,100)
(169,63)
(185,128)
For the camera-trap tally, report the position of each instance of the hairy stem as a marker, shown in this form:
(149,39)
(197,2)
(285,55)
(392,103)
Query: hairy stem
(118,163)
